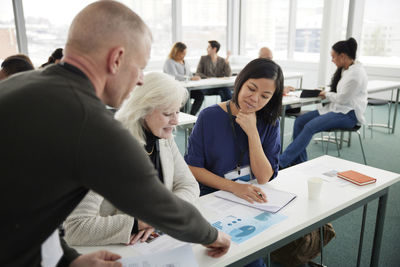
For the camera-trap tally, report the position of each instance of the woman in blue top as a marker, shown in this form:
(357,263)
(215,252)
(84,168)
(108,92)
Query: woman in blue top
(216,153)
(240,136)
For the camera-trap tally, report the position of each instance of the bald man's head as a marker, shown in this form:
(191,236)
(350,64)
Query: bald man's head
(105,24)
(265,52)
(111,44)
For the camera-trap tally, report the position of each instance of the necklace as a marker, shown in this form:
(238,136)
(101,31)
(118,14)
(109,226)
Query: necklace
(151,152)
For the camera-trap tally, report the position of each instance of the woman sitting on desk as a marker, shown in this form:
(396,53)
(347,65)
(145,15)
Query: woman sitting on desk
(176,66)
(239,139)
(150,114)
(348,101)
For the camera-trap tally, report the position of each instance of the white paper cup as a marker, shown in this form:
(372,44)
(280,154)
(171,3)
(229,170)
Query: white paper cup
(314,187)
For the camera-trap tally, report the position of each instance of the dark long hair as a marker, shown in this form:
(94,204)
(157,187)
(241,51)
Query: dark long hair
(263,68)
(56,55)
(348,47)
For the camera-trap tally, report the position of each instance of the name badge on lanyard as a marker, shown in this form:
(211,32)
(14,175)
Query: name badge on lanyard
(243,175)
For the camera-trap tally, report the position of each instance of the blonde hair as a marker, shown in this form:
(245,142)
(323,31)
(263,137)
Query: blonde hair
(159,91)
(178,47)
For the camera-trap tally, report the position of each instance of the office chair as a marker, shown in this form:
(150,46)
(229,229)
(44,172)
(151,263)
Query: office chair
(372,102)
(339,142)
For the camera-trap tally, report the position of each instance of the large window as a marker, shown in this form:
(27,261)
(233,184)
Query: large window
(47,23)
(380,43)
(157,15)
(266,23)
(203,21)
(8,41)
(308,29)
(345,16)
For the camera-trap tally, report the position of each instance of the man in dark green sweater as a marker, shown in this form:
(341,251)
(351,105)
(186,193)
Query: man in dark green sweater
(58,140)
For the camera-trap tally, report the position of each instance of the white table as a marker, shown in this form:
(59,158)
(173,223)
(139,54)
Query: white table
(294,76)
(304,215)
(211,83)
(288,75)
(375,86)
(186,121)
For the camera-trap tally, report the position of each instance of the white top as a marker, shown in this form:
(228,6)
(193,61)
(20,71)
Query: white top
(176,69)
(351,93)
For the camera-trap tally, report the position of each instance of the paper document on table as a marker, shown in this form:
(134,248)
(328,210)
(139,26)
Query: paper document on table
(157,242)
(325,172)
(331,176)
(294,93)
(246,223)
(178,257)
(276,199)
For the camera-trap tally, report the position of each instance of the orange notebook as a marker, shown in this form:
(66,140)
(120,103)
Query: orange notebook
(356,177)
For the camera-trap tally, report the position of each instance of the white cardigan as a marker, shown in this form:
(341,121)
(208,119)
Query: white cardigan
(351,93)
(95,221)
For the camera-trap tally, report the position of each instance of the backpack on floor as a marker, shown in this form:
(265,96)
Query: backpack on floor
(304,249)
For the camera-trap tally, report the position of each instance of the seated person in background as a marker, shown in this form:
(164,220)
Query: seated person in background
(55,57)
(150,114)
(265,52)
(240,134)
(348,101)
(176,66)
(14,64)
(214,66)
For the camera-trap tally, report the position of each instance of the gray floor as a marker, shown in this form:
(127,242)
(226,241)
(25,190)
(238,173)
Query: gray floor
(382,151)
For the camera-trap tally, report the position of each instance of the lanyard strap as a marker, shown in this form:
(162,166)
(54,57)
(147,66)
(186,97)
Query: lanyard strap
(240,153)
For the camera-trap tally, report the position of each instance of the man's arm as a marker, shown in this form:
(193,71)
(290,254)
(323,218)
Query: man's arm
(227,69)
(113,163)
(201,68)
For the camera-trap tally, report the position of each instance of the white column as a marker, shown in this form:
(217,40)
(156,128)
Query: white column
(292,29)
(176,13)
(331,33)
(20,26)
(355,20)
(233,23)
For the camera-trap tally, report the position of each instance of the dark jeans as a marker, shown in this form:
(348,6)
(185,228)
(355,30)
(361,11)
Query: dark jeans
(224,92)
(198,97)
(306,126)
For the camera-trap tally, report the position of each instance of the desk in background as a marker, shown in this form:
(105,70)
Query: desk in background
(375,86)
(294,101)
(211,83)
(186,121)
(304,215)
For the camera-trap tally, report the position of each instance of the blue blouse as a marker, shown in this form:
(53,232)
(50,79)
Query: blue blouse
(212,144)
